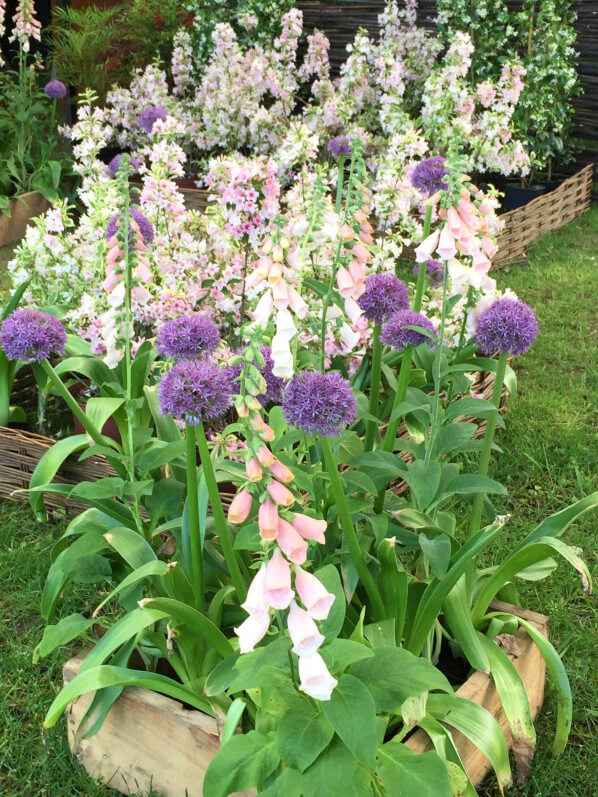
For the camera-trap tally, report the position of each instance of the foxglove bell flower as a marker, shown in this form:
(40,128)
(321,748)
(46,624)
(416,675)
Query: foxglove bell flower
(240,507)
(267,520)
(339,145)
(314,595)
(256,602)
(189,337)
(55,89)
(194,392)
(316,681)
(150,116)
(395,333)
(291,543)
(319,403)
(145,228)
(304,632)
(428,175)
(384,295)
(310,528)
(278,582)
(507,326)
(32,335)
(252,630)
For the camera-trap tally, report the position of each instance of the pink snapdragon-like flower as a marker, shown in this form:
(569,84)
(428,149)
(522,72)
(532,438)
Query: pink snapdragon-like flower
(267,519)
(252,630)
(256,601)
(314,595)
(253,469)
(280,471)
(304,632)
(281,494)
(316,681)
(291,542)
(278,582)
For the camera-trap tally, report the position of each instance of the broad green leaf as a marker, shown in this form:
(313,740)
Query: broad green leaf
(90,569)
(331,626)
(287,784)
(129,544)
(99,409)
(457,613)
(334,773)
(352,713)
(445,747)
(471,483)
(302,734)
(62,633)
(341,653)
(479,726)
(49,465)
(437,551)
(423,480)
(407,774)
(197,622)
(146,570)
(106,675)
(393,674)
(244,761)
(452,437)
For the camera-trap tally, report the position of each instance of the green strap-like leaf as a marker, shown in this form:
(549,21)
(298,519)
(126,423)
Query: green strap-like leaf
(457,613)
(106,675)
(555,525)
(196,621)
(129,544)
(49,465)
(479,726)
(146,570)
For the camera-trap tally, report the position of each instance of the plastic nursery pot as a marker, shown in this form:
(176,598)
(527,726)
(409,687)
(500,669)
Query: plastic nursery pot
(516,197)
(149,741)
(23,210)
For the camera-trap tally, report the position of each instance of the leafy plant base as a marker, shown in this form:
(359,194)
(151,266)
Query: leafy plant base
(22,211)
(149,741)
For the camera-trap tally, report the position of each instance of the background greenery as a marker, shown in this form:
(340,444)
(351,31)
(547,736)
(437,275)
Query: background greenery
(550,458)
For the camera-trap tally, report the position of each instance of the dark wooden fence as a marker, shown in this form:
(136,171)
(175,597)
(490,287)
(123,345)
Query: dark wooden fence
(341,20)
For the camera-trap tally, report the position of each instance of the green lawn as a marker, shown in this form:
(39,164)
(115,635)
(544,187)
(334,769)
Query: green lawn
(550,458)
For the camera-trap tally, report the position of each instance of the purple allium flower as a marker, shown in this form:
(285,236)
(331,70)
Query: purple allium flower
(384,294)
(145,227)
(339,145)
(114,165)
(508,325)
(32,335)
(395,334)
(55,89)
(274,384)
(189,337)
(149,116)
(319,403)
(428,175)
(195,391)
(434,272)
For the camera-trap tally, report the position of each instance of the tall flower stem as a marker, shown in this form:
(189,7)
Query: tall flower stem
(393,424)
(219,517)
(375,598)
(421,273)
(436,368)
(89,427)
(193,509)
(374,388)
(478,501)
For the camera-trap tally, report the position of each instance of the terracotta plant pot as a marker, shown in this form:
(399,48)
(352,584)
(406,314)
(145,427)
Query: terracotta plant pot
(149,741)
(22,211)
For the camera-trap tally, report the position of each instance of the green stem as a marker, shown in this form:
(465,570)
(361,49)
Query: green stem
(219,517)
(436,366)
(421,273)
(374,388)
(376,602)
(193,508)
(478,501)
(339,184)
(89,427)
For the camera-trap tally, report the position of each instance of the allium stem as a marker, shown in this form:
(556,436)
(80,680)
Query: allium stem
(193,509)
(421,274)
(89,427)
(376,602)
(393,424)
(374,388)
(478,501)
(219,517)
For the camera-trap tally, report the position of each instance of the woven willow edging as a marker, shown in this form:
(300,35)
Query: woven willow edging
(547,212)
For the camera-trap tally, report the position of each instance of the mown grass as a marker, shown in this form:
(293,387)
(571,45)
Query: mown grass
(550,457)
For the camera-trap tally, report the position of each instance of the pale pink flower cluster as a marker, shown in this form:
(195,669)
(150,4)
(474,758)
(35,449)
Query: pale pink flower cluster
(2,25)
(286,535)
(182,59)
(26,26)
(316,64)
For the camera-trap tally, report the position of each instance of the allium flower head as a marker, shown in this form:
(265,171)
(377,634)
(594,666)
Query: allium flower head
(32,335)
(428,175)
(339,145)
(195,391)
(384,294)
(189,337)
(55,89)
(149,116)
(395,333)
(319,403)
(434,272)
(114,165)
(273,394)
(508,325)
(145,227)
